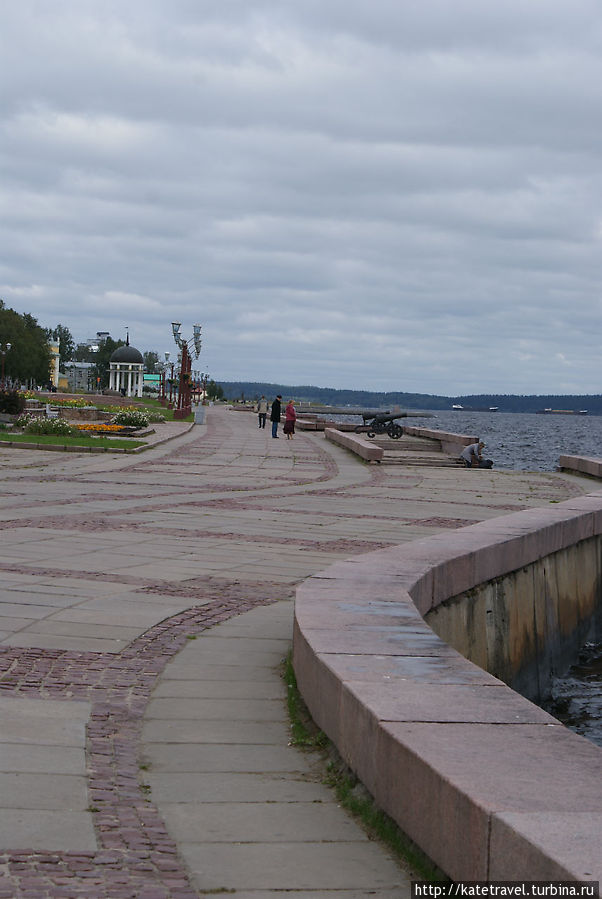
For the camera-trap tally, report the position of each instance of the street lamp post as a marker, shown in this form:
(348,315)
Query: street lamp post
(204,379)
(4,349)
(162,367)
(184,407)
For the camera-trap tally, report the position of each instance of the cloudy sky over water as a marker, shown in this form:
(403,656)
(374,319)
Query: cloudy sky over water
(389,195)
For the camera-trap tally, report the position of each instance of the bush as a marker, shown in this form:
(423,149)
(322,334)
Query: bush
(154,416)
(12,402)
(131,418)
(49,426)
(23,420)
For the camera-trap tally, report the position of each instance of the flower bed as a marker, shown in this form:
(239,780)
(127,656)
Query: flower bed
(57,400)
(134,418)
(100,428)
(56,426)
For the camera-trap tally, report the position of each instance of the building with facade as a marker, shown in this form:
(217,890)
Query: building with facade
(79,375)
(54,364)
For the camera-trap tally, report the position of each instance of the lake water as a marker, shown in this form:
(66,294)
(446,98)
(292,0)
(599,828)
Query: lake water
(526,441)
(576,698)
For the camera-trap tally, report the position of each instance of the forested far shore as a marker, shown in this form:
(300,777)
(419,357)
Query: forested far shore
(302,393)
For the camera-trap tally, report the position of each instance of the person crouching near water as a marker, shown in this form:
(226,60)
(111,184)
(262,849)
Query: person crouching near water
(290,417)
(472,456)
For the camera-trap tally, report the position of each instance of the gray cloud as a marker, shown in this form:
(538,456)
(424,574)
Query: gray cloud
(389,196)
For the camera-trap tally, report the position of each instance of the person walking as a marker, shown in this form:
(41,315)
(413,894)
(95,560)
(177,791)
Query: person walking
(262,411)
(290,417)
(275,415)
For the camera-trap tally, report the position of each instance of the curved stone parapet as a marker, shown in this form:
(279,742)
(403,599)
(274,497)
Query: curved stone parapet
(487,784)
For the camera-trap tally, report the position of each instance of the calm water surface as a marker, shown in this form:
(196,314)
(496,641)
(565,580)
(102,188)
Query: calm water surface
(526,442)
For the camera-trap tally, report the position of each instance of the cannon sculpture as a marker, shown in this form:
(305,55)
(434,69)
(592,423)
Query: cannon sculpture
(381,424)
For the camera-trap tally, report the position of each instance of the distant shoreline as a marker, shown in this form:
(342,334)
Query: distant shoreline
(326,396)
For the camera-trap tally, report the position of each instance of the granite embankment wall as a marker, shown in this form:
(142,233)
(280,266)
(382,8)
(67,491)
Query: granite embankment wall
(485,782)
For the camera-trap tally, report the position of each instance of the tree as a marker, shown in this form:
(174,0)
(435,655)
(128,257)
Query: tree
(28,360)
(83,353)
(150,361)
(66,344)
(101,358)
(214,391)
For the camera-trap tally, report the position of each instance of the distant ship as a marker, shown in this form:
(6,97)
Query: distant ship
(460,408)
(561,412)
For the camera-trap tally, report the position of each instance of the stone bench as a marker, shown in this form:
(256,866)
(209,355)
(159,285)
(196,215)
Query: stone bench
(358,445)
(581,465)
(486,783)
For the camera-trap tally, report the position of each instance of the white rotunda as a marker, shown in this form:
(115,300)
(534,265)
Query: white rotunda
(126,370)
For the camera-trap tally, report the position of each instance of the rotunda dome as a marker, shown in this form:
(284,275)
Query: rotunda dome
(127,354)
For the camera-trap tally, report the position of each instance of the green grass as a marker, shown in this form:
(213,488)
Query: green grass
(349,791)
(59,440)
(155,406)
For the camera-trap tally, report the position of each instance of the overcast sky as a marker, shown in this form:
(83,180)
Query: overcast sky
(378,194)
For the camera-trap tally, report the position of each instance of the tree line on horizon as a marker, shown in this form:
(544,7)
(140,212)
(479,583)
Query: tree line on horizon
(251,390)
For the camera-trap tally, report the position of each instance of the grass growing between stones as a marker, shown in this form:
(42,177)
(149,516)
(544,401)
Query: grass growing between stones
(349,791)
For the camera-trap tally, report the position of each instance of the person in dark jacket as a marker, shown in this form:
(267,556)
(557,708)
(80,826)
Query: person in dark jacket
(275,415)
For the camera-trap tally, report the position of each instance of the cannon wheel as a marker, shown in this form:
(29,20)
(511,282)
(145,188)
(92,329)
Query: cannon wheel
(395,431)
(371,435)
(379,427)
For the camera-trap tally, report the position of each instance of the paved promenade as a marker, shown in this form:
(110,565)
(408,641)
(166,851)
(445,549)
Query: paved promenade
(146,605)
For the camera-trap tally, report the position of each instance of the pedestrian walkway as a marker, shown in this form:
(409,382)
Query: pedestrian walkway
(145,607)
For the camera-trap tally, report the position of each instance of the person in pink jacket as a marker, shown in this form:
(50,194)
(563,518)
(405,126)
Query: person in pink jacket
(290,417)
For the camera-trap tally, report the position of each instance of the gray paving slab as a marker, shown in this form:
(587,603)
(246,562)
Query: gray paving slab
(252,822)
(24,790)
(29,610)
(215,709)
(213,787)
(26,638)
(255,659)
(36,758)
(47,830)
(67,628)
(231,643)
(43,782)
(218,688)
(209,671)
(244,758)
(298,865)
